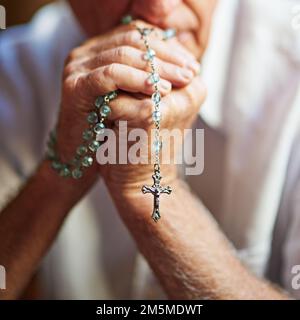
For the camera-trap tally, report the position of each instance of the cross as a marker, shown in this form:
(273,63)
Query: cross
(156,190)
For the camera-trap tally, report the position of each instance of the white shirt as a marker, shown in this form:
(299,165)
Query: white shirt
(251,121)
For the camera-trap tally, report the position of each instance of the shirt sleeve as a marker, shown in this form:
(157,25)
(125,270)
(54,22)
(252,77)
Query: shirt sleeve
(29,100)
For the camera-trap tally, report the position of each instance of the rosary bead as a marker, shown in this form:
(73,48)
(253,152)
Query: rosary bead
(87,161)
(126,19)
(154,78)
(56,165)
(169,33)
(65,172)
(149,55)
(82,159)
(99,101)
(81,150)
(99,128)
(87,134)
(92,117)
(146,32)
(157,146)
(156,97)
(94,145)
(77,173)
(156,116)
(105,110)
(112,95)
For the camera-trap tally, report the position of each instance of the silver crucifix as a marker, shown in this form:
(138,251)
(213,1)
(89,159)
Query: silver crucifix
(156,190)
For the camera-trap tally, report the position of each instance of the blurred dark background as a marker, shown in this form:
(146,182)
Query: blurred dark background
(21,11)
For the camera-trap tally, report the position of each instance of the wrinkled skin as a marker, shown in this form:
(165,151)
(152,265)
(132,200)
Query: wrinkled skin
(192,18)
(113,60)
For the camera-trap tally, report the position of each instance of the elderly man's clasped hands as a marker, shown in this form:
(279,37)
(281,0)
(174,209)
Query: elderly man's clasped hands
(115,61)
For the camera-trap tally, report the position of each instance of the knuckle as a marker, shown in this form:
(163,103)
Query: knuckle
(131,37)
(68,70)
(110,70)
(91,80)
(162,67)
(121,53)
(95,61)
(97,79)
(69,85)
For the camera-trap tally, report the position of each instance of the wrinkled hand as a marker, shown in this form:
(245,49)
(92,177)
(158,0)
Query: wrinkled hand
(114,61)
(178,111)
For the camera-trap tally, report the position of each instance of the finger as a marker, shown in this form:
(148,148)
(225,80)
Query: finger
(183,103)
(119,76)
(183,47)
(173,42)
(178,107)
(136,110)
(163,50)
(133,57)
(204,11)
(189,41)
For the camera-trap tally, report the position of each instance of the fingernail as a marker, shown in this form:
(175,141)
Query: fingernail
(194,66)
(185,74)
(165,85)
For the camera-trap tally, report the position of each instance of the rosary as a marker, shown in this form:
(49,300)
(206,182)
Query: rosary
(95,119)
(156,189)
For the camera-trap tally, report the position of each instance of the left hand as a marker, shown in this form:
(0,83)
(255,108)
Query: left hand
(178,110)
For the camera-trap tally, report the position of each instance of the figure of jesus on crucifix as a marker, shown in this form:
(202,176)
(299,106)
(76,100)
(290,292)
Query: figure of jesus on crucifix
(156,190)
